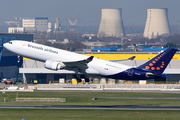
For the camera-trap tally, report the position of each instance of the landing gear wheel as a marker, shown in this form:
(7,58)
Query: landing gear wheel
(79,80)
(86,80)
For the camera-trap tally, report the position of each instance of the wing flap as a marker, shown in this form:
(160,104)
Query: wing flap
(82,64)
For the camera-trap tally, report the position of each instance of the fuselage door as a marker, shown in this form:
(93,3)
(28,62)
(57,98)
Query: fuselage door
(130,72)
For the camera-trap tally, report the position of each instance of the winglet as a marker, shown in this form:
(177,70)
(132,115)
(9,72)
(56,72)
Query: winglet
(131,58)
(90,58)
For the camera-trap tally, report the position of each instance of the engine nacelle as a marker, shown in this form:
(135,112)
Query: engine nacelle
(54,65)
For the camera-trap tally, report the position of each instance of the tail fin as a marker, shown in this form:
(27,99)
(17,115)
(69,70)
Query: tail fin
(159,63)
(125,60)
(131,58)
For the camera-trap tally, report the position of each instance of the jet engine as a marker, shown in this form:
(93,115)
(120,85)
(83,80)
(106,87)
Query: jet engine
(54,65)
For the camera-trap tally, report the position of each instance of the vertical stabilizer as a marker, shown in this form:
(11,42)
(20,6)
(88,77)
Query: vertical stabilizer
(159,63)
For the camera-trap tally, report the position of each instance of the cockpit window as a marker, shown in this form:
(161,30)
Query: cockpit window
(10,42)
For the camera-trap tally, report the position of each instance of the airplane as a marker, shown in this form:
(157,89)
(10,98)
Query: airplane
(58,59)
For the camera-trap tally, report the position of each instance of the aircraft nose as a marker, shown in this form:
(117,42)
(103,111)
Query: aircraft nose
(7,45)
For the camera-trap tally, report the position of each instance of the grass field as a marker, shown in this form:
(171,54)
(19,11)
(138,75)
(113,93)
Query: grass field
(37,114)
(85,98)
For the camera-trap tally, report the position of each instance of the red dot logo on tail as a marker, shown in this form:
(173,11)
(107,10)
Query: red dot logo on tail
(147,67)
(150,64)
(157,68)
(153,68)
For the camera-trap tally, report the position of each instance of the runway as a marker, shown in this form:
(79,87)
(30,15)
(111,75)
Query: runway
(122,107)
(145,98)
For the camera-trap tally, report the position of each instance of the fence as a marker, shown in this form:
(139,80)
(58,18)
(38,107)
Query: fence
(41,99)
(162,87)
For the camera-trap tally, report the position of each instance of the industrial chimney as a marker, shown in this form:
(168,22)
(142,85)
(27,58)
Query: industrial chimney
(157,23)
(111,23)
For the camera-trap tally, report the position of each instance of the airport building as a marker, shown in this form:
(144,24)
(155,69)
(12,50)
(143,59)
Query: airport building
(31,24)
(10,62)
(35,24)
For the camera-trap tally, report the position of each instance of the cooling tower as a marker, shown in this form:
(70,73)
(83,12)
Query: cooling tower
(157,23)
(111,23)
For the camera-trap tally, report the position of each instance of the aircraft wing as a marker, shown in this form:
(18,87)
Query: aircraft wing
(125,60)
(82,64)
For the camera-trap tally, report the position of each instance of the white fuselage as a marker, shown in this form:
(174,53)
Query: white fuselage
(43,53)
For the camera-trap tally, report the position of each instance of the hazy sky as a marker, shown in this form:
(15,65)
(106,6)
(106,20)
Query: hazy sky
(134,12)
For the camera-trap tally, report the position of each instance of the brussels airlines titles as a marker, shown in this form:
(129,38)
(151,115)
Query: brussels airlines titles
(40,48)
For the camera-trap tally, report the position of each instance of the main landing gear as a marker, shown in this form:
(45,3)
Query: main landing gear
(79,78)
